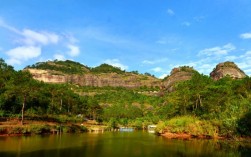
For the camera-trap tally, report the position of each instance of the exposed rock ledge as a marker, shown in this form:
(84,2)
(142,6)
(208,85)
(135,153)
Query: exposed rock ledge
(227,69)
(177,75)
(128,80)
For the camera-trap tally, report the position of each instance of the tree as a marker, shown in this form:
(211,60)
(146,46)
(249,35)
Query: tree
(6,73)
(95,109)
(22,86)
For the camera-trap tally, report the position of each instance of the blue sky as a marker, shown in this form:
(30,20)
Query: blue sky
(151,36)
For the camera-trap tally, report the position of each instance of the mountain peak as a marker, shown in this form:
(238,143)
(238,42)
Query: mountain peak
(178,74)
(227,69)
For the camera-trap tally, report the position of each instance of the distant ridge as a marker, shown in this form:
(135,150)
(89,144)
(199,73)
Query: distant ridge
(100,76)
(108,75)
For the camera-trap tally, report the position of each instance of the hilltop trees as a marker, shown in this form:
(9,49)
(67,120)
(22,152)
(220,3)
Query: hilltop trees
(67,67)
(106,68)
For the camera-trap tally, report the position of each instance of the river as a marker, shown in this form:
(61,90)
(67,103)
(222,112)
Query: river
(117,144)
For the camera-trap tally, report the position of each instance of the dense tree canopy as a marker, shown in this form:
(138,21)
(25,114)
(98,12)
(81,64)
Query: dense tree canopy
(225,103)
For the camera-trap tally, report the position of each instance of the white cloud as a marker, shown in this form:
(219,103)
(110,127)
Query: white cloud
(248,71)
(148,62)
(116,63)
(70,38)
(245,36)
(32,37)
(231,58)
(245,65)
(217,51)
(31,43)
(101,35)
(248,53)
(154,61)
(13,61)
(163,76)
(42,59)
(59,57)
(6,26)
(170,12)
(73,50)
(157,69)
(186,23)
(205,68)
(22,53)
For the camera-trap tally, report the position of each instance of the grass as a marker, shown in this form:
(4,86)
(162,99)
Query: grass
(189,125)
(13,127)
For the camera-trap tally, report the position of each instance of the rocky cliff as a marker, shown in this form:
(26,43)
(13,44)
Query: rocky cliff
(227,68)
(177,75)
(98,79)
(107,75)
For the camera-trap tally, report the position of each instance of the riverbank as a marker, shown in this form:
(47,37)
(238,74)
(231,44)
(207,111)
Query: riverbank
(13,127)
(188,127)
(186,136)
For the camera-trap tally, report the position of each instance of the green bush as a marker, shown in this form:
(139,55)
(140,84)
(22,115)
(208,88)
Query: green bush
(138,124)
(16,130)
(244,125)
(2,113)
(188,124)
(74,129)
(113,123)
(161,126)
(40,129)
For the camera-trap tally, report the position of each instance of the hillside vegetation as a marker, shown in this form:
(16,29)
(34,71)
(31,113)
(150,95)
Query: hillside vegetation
(106,68)
(67,67)
(223,106)
(71,67)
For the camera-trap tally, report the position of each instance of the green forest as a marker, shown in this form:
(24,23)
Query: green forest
(200,106)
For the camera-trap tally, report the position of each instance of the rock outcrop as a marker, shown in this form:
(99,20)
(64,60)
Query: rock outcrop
(227,69)
(128,80)
(107,75)
(177,75)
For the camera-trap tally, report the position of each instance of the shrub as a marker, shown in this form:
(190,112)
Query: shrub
(39,129)
(2,113)
(112,123)
(244,124)
(161,126)
(16,130)
(190,125)
(74,129)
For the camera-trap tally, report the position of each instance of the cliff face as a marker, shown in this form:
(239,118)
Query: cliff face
(106,75)
(128,80)
(178,75)
(227,68)
(46,76)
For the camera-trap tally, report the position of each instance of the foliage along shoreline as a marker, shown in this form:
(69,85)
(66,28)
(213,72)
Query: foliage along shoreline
(196,106)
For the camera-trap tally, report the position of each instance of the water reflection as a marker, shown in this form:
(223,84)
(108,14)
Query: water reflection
(117,144)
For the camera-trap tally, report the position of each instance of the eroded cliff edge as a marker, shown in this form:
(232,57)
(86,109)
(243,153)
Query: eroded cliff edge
(101,76)
(227,69)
